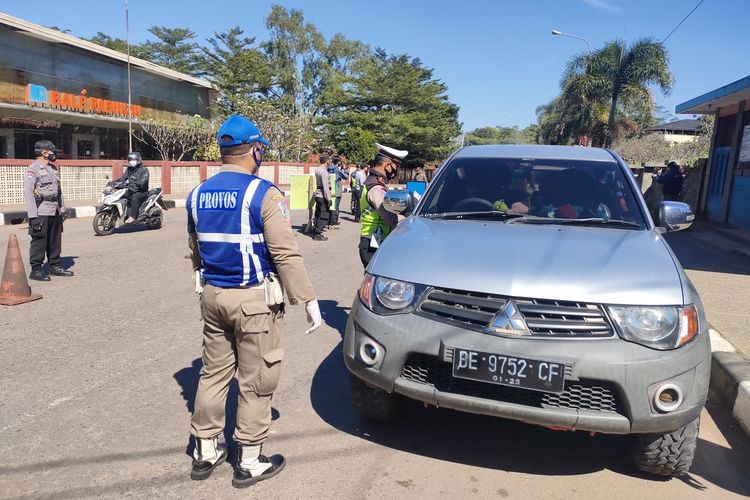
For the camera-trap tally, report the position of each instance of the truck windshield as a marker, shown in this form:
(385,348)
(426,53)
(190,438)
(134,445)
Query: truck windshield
(558,190)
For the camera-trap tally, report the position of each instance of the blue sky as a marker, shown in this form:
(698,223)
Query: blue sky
(497,56)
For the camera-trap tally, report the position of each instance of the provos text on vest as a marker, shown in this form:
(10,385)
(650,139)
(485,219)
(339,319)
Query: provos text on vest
(218,199)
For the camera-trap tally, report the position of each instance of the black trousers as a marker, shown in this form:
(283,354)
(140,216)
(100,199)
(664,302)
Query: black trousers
(47,241)
(334,217)
(356,194)
(321,214)
(135,200)
(365,252)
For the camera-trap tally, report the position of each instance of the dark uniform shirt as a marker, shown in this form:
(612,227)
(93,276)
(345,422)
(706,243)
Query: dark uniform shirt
(42,183)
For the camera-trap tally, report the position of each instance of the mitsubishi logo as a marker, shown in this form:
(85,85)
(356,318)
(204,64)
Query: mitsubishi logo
(508,321)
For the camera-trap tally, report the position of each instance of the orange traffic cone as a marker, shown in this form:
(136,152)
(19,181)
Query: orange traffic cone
(15,289)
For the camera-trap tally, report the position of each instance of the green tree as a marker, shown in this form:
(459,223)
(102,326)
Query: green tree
(173,48)
(618,76)
(239,70)
(396,99)
(118,44)
(178,138)
(288,138)
(309,71)
(502,135)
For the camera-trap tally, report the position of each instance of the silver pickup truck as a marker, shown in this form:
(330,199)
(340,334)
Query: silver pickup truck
(531,283)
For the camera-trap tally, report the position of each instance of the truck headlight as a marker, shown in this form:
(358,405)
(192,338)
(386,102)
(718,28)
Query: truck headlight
(389,296)
(658,327)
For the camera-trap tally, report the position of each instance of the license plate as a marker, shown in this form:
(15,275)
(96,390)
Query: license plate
(533,374)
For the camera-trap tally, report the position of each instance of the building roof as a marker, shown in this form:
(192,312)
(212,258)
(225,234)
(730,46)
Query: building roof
(688,125)
(55,36)
(723,96)
(535,151)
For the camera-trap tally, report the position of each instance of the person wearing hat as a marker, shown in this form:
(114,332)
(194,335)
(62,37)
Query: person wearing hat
(242,246)
(376,222)
(46,210)
(322,197)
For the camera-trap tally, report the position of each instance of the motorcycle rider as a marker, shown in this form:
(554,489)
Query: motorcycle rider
(135,179)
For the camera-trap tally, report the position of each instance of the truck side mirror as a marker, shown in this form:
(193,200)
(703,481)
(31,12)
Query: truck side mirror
(675,216)
(398,202)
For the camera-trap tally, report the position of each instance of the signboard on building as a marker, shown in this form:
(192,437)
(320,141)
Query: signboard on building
(38,95)
(745,145)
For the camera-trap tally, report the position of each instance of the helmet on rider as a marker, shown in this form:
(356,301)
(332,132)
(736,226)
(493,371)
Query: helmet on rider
(134,160)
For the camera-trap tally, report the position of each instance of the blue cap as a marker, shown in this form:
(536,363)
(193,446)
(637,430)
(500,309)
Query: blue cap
(240,130)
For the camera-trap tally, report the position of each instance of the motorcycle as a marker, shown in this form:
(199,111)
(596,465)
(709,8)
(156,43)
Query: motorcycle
(113,208)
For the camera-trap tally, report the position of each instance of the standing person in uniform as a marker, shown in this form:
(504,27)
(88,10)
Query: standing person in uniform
(322,198)
(242,243)
(358,183)
(136,176)
(377,222)
(46,209)
(340,175)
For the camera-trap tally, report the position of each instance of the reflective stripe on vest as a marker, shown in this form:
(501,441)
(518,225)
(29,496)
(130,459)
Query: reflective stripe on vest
(225,214)
(370,218)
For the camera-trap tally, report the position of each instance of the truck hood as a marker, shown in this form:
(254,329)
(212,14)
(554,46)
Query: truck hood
(585,264)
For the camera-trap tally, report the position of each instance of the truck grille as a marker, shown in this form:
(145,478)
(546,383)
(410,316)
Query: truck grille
(544,318)
(578,395)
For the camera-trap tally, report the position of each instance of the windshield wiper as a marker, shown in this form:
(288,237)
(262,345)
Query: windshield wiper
(483,214)
(591,221)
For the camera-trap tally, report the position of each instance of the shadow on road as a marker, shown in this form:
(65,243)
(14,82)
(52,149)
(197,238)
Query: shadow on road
(693,253)
(68,261)
(334,315)
(187,379)
(484,441)
(711,459)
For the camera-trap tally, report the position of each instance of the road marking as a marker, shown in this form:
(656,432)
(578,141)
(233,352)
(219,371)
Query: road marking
(59,401)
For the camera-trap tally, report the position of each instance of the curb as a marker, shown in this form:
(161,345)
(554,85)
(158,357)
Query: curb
(13,218)
(730,379)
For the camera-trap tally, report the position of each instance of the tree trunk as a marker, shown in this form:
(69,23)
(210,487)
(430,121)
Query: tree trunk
(612,120)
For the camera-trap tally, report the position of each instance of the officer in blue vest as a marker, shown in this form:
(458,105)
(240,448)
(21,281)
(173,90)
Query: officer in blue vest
(243,246)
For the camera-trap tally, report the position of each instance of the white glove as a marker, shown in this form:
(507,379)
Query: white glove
(313,316)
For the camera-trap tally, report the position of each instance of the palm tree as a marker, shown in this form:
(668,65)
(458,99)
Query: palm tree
(618,76)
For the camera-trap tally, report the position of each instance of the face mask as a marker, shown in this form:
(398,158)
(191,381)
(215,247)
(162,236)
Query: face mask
(133,163)
(258,155)
(51,157)
(391,173)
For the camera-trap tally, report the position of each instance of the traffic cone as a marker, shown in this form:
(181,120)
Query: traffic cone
(14,288)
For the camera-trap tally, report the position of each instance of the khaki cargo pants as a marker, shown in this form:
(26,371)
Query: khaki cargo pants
(241,335)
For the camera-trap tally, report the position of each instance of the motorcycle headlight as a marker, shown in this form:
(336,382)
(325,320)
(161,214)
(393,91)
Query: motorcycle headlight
(389,296)
(658,327)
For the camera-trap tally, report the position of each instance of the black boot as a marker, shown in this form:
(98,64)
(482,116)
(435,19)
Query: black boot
(244,477)
(38,275)
(59,271)
(202,469)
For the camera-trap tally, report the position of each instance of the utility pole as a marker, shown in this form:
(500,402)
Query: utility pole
(130,104)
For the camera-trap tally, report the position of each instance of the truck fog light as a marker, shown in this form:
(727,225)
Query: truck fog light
(370,352)
(667,398)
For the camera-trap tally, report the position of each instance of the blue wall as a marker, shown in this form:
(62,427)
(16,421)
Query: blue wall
(739,203)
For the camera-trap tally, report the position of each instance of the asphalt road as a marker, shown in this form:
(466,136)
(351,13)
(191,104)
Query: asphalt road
(721,277)
(98,381)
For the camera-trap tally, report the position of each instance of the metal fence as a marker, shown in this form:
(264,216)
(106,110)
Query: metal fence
(85,179)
